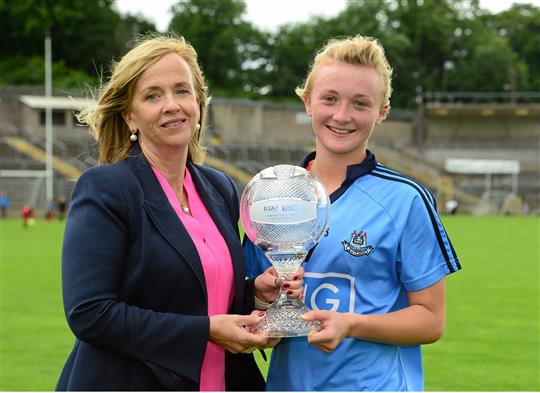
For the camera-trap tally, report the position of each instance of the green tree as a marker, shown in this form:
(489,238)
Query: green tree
(521,26)
(484,62)
(85,36)
(293,46)
(384,21)
(433,45)
(226,44)
(24,70)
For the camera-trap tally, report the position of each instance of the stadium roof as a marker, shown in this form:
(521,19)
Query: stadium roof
(42,102)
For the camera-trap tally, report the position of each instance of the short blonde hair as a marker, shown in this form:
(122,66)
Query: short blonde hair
(357,50)
(105,119)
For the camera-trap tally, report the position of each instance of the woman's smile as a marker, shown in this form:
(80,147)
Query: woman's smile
(341,131)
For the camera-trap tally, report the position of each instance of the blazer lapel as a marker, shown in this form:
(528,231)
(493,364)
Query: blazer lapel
(163,215)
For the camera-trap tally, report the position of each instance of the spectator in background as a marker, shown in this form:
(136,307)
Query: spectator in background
(153,274)
(61,207)
(452,206)
(4,204)
(49,210)
(376,280)
(27,215)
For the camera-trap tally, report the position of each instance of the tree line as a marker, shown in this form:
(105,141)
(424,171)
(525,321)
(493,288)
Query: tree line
(433,45)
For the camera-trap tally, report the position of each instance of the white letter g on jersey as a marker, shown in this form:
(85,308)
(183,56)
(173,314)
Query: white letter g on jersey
(334,303)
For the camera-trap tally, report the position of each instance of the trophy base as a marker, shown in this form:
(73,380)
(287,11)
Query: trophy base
(284,319)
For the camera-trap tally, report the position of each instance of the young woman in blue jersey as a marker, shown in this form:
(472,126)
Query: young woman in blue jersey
(376,280)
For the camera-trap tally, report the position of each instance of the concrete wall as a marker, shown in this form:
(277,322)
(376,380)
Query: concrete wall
(244,121)
(396,133)
(495,129)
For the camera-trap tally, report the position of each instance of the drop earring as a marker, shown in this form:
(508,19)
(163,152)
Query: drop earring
(133,137)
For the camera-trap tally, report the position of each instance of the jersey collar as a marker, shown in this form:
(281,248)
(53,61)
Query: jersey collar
(353,172)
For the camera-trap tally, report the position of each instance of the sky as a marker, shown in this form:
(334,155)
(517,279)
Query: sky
(265,14)
(270,14)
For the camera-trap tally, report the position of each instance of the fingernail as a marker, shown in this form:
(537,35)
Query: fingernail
(295,277)
(286,285)
(261,314)
(289,292)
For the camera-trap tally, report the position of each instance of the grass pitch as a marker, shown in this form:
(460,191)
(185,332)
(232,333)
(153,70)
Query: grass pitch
(491,341)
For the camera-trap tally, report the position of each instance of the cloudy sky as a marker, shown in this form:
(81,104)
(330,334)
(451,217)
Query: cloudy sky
(268,15)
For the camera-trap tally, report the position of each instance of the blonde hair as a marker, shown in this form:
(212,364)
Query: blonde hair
(105,119)
(357,50)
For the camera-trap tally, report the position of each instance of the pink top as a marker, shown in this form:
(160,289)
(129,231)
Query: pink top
(218,272)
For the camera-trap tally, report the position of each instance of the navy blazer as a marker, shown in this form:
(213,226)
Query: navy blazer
(133,285)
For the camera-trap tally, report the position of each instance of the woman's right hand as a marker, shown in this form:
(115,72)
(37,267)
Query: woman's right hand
(268,284)
(231,332)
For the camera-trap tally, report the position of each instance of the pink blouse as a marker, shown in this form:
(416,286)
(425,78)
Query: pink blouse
(218,272)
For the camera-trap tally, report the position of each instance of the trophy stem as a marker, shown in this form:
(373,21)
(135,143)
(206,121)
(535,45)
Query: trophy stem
(284,317)
(285,300)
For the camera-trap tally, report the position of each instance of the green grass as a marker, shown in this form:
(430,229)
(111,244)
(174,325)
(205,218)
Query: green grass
(492,331)
(34,337)
(491,341)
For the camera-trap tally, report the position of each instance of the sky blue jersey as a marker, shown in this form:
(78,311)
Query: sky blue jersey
(385,238)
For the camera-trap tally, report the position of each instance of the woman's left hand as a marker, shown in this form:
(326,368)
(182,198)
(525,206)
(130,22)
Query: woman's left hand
(270,342)
(268,283)
(235,333)
(336,327)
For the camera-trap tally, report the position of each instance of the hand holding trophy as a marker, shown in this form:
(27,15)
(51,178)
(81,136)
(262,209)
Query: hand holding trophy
(285,211)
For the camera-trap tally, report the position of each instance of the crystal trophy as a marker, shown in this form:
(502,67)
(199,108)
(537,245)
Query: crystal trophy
(285,211)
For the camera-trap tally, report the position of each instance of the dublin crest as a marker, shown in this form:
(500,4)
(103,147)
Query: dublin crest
(357,246)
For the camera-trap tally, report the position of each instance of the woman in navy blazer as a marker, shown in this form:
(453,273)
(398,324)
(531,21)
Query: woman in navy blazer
(134,287)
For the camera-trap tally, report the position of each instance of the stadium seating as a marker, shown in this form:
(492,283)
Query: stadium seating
(245,137)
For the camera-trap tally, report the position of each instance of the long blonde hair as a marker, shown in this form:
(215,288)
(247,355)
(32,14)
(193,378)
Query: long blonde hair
(357,50)
(105,119)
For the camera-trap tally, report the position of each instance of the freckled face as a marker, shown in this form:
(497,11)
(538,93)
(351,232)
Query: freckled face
(345,105)
(164,107)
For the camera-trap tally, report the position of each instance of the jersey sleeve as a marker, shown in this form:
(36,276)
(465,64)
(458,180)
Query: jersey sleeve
(256,261)
(425,252)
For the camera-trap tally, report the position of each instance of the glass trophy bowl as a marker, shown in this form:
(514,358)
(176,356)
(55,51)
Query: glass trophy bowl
(285,211)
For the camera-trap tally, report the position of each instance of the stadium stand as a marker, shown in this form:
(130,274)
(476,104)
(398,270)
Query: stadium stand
(504,126)
(246,136)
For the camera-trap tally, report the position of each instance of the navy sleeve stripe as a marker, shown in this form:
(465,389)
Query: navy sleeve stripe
(384,169)
(415,184)
(419,189)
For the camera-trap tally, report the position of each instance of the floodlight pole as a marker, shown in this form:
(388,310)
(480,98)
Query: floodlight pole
(515,183)
(48,119)
(487,191)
